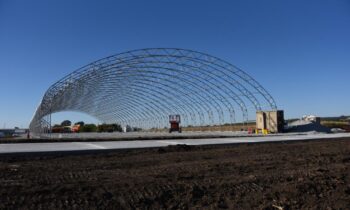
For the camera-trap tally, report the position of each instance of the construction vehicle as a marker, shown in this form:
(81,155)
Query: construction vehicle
(174,121)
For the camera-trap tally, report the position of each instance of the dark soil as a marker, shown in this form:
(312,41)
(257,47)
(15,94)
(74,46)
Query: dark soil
(296,175)
(117,138)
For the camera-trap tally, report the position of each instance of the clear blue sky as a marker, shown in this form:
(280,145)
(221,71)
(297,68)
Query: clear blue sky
(299,50)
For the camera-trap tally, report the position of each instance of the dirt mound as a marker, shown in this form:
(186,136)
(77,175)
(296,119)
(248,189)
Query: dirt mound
(294,175)
(305,126)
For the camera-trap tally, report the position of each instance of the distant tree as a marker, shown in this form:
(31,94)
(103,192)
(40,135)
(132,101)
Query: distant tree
(117,127)
(128,128)
(103,128)
(57,128)
(81,123)
(89,128)
(66,123)
(136,129)
(109,127)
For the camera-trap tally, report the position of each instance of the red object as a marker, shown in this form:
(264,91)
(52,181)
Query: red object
(174,125)
(250,130)
(76,128)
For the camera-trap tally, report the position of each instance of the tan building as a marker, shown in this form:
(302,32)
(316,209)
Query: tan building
(273,121)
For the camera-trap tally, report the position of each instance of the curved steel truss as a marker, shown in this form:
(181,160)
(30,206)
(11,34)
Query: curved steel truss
(141,88)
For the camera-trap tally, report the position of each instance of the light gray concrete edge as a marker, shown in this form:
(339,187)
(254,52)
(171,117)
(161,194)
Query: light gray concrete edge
(109,145)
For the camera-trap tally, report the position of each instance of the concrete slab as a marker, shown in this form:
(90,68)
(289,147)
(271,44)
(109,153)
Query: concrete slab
(107,145)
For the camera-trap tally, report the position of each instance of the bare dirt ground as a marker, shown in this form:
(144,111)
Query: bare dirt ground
(294,175)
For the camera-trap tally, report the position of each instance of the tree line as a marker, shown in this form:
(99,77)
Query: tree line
(114,127)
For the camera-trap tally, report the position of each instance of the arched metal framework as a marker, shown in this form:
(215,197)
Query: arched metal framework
(141,88)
